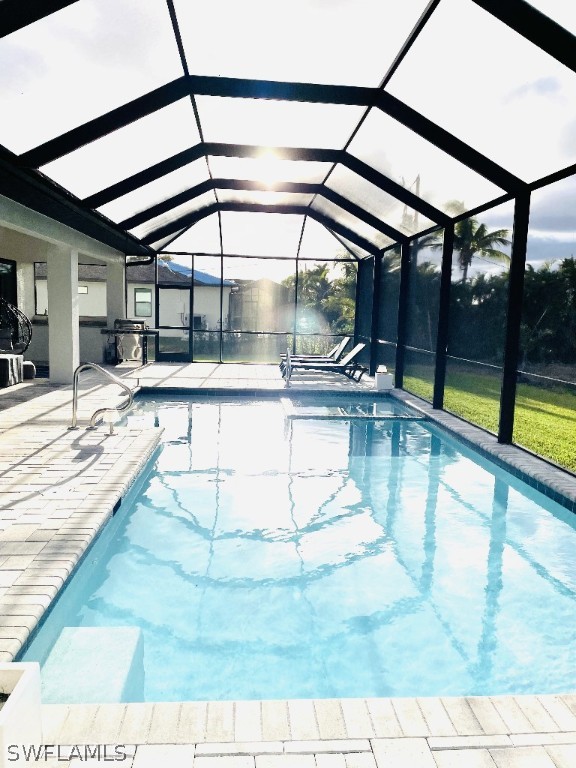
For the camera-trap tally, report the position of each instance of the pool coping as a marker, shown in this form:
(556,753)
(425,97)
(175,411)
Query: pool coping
(414,729)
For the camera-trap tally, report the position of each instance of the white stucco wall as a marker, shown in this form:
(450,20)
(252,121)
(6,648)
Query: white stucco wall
(91,304)
(91,344)
(206,302)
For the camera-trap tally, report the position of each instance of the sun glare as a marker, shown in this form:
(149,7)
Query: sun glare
(269,168)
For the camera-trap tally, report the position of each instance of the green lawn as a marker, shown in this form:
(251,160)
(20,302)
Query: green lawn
(545,419)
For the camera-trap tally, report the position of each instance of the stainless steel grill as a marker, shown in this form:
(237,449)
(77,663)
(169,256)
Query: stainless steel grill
(129,345)
(125,324)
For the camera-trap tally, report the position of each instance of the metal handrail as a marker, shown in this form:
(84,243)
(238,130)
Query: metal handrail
(99,411)
(287,368)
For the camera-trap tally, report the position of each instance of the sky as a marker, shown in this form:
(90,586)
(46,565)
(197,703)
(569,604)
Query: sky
(552,225)
(469,73)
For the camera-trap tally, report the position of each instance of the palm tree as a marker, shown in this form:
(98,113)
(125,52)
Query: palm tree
(471,238)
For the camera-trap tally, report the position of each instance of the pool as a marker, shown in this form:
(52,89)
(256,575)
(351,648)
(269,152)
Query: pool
(309,549)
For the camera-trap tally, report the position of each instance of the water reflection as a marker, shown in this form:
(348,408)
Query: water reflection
(267,557)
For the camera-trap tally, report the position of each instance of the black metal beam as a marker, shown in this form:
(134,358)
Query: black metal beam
(40,194)
(474,212)
(268,89)
(283,153)
(443,318)
(100,126)
(514,317)
(357,335)
(189,85)
(360,213)
(352,259)
(359,96)
(393,188)
(376,289)
(275,90)
(16,14)
(245,184)
(333,226)
(409,41)
(177,35)
(405,263)
(552,178)
(535,27)
(448,143)
(344,244)
(301,210)
(321,155)
(153,172)
(167,205)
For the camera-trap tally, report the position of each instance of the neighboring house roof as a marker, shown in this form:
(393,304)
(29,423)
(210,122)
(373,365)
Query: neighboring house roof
(173,274)
(86,272)
(200,278)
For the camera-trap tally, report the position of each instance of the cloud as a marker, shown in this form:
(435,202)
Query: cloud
(553,208)
(24,67)
(568,139)
(552,211)
(541,249)
(542,87)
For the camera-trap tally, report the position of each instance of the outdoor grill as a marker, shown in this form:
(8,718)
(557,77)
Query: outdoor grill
(129,325)
(125,341)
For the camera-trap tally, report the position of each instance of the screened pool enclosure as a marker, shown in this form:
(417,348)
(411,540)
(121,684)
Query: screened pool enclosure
(402,173)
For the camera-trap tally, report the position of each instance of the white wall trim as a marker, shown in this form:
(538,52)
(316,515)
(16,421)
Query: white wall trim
(16,216)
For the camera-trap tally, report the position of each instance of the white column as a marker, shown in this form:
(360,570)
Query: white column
(25,288)
(63,315)
(115,291)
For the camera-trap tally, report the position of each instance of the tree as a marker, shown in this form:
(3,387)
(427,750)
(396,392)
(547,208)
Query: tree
(471,239)
(548,330)
(331,299)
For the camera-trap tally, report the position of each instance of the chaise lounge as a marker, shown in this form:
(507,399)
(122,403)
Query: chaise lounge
(349,366)
(331,357)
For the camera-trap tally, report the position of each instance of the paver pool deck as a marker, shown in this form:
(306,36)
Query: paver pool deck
(58,487)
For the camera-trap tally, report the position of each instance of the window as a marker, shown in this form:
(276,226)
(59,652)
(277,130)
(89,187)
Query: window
(82,289)
(143,302)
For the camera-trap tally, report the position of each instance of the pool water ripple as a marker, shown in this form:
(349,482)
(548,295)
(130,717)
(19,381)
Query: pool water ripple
(263,556)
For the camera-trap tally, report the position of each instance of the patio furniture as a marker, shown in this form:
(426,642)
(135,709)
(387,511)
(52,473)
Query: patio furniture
(348,366)
(15,329)
(331,357)
(11,370)
(15,337)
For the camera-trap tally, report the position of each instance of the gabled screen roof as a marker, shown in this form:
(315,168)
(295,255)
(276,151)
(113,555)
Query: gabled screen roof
(164,123)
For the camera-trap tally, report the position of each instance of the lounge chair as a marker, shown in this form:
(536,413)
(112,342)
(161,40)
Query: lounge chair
(331,357)
(348,365)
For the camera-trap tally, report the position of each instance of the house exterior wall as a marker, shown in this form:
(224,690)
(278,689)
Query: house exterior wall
(175,304)
(90,304)
(93,303)
(92,342)
(207,302)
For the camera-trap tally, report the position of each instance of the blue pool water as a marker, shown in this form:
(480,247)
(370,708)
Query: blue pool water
(266,555)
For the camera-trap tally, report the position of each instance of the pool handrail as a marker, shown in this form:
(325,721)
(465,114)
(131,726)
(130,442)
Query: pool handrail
(287,370)
(99,411)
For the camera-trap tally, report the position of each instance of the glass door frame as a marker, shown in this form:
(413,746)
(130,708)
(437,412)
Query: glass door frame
(174,357)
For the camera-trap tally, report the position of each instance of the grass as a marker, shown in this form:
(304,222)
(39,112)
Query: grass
(545,417)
